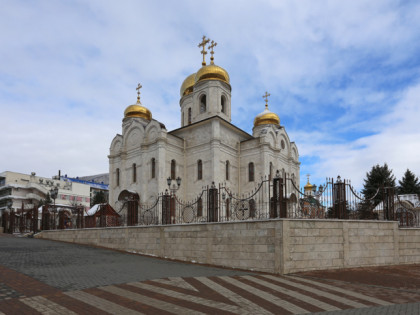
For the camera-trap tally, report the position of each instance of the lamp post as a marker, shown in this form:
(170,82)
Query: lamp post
(54,194)
(9,204)
(173,188)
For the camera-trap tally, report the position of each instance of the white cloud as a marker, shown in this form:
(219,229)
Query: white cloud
(71,68)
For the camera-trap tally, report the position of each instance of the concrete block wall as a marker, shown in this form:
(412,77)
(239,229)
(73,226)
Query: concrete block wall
(244,245)
(409,246)
(276,246)
(332,244)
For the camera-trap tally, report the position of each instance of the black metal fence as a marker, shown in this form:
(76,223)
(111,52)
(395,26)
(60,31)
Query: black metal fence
(276,198)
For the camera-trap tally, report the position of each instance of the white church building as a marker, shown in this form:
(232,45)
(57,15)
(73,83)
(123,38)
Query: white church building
(206,148)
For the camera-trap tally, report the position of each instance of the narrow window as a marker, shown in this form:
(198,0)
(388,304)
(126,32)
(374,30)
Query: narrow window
(173,166)
(227,170)
(203,104)
(251,172)
(223,103)
(199,169)
(117,175)
(134,173)
(270,172)
(153,168)
(189,116)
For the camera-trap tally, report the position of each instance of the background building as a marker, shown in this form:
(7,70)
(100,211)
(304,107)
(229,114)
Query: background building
(29,190)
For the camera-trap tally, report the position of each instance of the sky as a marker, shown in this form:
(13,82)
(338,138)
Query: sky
(344,77)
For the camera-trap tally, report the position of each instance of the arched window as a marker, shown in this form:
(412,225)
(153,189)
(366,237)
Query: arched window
(203,104)
(189,116)
(227,170)
(153,168)
(117,176)
(173,171)
(199,169)
(223,101)
(134,172)
(251,172)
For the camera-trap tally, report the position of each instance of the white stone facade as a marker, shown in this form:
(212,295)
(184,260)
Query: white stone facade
(206,138)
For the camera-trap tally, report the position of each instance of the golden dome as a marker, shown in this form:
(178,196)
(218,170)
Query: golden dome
(137,110)
(266,118)
(308,186)
(188,85)
(212,72)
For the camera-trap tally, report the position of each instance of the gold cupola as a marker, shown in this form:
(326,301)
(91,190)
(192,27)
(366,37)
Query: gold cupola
(266,117)
(308,188)
(188,85)
(212,71)
(138,110)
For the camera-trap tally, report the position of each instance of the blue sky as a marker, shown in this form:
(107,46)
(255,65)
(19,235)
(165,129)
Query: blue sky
(344,77)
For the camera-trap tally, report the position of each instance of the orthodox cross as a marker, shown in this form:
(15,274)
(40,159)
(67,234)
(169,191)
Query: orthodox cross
(308,175)
(204,52)
(138,92)
(266,98)
(213,44)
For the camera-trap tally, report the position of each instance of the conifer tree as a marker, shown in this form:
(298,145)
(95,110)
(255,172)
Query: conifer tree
(379,176)
(409,184)
(98,198)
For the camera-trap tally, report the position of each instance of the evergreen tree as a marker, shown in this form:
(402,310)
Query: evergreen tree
(409,184)
(98,198)
(379,176)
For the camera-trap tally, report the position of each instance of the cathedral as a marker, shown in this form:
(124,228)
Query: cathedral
(147,159)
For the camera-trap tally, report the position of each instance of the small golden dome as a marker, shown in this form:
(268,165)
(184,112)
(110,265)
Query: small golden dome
(266,118)
(137,110)
(188,85)
(212,72)
(308,186)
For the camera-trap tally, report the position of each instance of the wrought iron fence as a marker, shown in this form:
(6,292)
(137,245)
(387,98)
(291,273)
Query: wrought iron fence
(279,197)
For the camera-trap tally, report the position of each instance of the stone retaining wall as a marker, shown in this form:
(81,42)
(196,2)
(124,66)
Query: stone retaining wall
(277,246)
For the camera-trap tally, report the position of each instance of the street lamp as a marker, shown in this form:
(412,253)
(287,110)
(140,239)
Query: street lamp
(174,188)
(9,204)
(54,194)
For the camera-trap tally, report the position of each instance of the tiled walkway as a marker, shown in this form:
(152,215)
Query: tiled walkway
(208,291)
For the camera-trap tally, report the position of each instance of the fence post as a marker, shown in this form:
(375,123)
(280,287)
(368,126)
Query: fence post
(339,199)
(166,214)
(213,204)
(35,219)
(278,203)
(12,222)
(132,217)
(388,203)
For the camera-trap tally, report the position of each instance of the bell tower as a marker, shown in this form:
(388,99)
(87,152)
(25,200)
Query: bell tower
(207,92)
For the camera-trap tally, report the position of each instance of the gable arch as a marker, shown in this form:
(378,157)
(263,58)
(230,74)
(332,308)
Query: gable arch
(116,144)
(134,137)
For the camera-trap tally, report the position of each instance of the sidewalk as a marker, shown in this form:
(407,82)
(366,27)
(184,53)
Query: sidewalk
(45,277)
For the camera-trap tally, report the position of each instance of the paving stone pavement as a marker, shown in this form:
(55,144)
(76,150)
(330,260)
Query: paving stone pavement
(45,277)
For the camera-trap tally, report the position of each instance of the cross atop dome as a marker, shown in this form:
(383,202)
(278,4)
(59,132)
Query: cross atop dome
(203,44)
(265,96)
(213,44)
(139,86)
